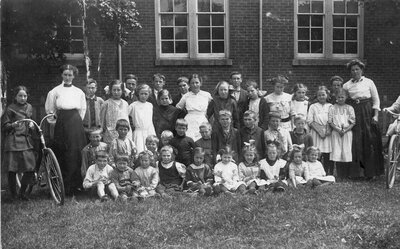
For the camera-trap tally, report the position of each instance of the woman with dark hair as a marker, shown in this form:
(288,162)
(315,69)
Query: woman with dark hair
(367,139)
(195,102)
(68,103)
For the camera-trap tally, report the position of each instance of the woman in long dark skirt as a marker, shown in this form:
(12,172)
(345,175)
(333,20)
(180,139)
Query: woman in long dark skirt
(69,104)
(367,139)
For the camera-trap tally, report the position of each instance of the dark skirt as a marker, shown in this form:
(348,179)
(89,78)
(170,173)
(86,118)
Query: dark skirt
(69,140)
(20,161)
(367,142)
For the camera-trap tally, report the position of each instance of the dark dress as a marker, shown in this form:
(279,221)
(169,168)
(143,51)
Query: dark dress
(185,146)
(19,152)
(256,134)
(164,118)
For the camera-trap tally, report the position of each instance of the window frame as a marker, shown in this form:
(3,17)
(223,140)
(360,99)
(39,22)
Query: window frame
(328,57)
(192,34)
(75,56)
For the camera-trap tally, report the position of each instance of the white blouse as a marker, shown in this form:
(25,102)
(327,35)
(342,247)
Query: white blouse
(66,98)
(364,88)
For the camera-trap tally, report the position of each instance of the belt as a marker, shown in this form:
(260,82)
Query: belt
(285,119)
(359,101)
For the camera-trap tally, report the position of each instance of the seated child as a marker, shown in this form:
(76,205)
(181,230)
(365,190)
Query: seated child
(272,169)
(89,151)
(278,134)
(98,177)
(148,176)
(205,143)
(317,174)
(251,131)
(298,169)
(123,144)
(125,179)
(225,135)
(300,135)
(171,173)
(226,174)
(199,175)
(183,143)
(249,169)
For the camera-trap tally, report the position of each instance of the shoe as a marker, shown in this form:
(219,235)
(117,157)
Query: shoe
(279,189)
(23,197)
(104,198)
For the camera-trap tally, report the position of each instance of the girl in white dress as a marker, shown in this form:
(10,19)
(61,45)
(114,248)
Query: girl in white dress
(272,169)
(141,113)
(280,102)
(299,103)
(320,130)
(195,102)
(316,172)
(226,174)
(342,119)
(113,110)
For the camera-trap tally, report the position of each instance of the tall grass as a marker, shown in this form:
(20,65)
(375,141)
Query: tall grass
(344,215)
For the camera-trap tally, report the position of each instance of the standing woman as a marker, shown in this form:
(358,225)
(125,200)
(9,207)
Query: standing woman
(195,102)
(69,104)
(367,139)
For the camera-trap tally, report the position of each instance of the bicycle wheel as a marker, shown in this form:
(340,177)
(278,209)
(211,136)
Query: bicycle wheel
(54,177)
(392,160)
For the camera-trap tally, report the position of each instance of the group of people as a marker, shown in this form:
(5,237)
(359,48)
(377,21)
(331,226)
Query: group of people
(143,142)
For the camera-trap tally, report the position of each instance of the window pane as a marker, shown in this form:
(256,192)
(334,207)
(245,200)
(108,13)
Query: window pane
(304,6)
(180,33)
(180,6)
(218,33)
(217,6)
(317,6)
(352,6)
(338,21)
(316,21)
(166,6)
(167,20)
(204,20)
(167,47)
(218,47)
(316,47)
(351,21)
(303,21)
(181,47)
(181,20)
(204,47)
(76,33)
(316,34)
(203,5)
(351,34)
(204,33)
(304,47)
(217,20)
(304,34)
(77,47)
(338,47)
(351,48)
(167,33)
(76,19)
(338,6)
(338,34)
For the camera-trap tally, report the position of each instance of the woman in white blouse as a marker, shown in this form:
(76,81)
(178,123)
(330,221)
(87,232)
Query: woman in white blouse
(367,139)
(69,104)
(195,102)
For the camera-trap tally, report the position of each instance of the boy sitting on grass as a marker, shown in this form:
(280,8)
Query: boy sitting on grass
(89,151)
(171,173)
(125,179)
(98,177)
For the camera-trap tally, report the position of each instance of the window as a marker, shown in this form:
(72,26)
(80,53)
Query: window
(191,29)
(74,29)
(330,29)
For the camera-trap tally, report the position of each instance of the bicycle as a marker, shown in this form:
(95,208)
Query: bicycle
(392,160)
(51,168)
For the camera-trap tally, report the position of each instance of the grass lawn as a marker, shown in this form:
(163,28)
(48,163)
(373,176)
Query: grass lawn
(345,215)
